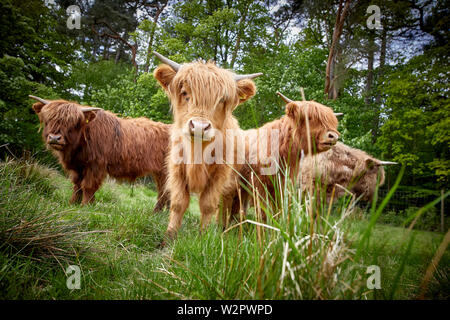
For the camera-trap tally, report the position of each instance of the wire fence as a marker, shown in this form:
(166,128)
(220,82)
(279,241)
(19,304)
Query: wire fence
(407,197)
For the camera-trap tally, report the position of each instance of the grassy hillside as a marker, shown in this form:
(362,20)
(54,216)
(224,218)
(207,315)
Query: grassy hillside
(115,242)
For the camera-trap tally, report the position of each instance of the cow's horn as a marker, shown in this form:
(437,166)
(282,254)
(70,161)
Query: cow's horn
(175,66)
(238,77)
(39,99)
(337,114)
(387,163)
(86,109)
(286,99)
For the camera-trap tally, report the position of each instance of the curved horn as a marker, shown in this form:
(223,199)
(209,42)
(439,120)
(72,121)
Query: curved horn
(285,99)
(39,99)
(238,77)
(86,109)
(175,66)
(337,114)
(387,163)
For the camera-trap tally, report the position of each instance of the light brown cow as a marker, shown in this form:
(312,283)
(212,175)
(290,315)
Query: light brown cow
(343,166)
(292,139)
(91,143)
(203,97)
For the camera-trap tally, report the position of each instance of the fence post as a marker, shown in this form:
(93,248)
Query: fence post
(442,211)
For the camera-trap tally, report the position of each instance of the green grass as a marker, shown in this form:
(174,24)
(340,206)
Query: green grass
(116,244)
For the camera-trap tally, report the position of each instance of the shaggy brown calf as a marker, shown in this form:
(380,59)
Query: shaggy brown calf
(90,143)
(292,141)
(343,166)
(203,97)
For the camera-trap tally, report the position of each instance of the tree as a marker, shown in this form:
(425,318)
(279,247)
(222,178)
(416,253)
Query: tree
(341,15)
(154,8)
(35,59)
(416,132)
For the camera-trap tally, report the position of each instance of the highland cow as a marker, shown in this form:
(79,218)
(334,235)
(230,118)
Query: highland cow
(203,97)
(301,117)
(91,143)
(343,167)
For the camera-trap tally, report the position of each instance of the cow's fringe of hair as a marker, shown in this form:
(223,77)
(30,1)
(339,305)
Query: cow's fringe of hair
(208,83)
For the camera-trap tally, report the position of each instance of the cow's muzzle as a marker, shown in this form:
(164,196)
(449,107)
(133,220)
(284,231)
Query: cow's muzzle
(329,139)
(55,140)
(200,129)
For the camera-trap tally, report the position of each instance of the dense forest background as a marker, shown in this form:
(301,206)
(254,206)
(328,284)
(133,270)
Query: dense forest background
(390,82)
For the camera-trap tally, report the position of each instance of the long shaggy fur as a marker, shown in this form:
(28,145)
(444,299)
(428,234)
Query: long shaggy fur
(292,141)
(348,167)
(208,92)
(98,143)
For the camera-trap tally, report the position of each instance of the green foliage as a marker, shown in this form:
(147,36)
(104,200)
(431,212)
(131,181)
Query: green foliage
(87,78)
(18,124)
(416,132)
(143,98)
(34,59)
(429,221)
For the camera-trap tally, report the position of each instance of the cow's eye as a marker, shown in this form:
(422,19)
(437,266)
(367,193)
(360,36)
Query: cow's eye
(184,95)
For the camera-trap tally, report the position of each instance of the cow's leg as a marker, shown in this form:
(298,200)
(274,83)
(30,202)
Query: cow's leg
(179,201)
(77,190)
(92,180)
(225,213)
(209,202)
(240,205)
(163,194)
(210,197)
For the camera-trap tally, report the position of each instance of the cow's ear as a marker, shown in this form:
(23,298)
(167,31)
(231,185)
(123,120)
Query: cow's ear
(37,107)
(164,74)
(292,111)
(372,163)
(246,89)
(89,116)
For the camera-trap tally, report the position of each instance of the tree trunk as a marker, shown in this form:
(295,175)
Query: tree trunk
(152,35)
(369,79)
(106,50)
(337,32)
(239,36)
(376,120)
(119,48)
(115,35)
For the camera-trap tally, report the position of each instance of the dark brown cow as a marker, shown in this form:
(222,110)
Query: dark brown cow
(343,167)
(203,97)
(292,142)
(91,143)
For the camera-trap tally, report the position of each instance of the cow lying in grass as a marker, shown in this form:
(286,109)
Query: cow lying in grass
(343,167)
(91,143)
(292,140)
(203,97)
